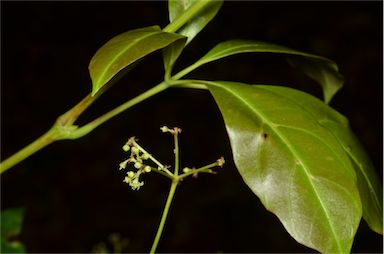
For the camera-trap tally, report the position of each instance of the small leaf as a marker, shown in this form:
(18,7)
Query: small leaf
(321,69)
(11,223)
(368,183)
(124,50)
(292,163)
(196,24)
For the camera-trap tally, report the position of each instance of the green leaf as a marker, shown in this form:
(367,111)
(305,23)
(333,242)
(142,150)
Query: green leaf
(170,55)
(11,223)
(292,163)
(198,22)
(124,50)
(324,72)
(190,29)
(321,69)
(368,183)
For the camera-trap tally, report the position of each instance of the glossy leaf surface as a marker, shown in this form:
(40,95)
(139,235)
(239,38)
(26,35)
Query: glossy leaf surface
(11,222)
(292,163)
(196,24)
(124,50)
(368,183)
(322,70)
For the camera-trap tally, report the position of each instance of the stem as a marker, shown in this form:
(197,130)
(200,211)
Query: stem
(176,140)
(69,117)
(161,172)
(187,83)
(194,171)
(158,163)
(153,159)
(164,216)
(30,149)
(84,130)
(190,13)
(187,70)
(62,127)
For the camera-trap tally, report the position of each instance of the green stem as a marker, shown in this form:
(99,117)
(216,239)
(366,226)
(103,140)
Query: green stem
(30,149)
(62,127)
(187,70)
(190,13)
(194,171)
(84,130)
(158,163)
(161,172)
(187,83)
(176,140)
(66,129)
(164,216)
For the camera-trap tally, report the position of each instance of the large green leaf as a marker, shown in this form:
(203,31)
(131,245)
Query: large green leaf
(292,163)
(125,49)
(198,22)
(368,183)
(11,222)
(321,69)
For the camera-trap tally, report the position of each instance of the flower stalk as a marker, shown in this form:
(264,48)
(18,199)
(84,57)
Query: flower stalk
(139,159)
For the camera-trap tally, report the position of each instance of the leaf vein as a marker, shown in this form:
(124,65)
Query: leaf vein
(293,151)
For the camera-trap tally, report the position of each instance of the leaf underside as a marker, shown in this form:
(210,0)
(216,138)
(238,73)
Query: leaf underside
(292,163)
(322,70)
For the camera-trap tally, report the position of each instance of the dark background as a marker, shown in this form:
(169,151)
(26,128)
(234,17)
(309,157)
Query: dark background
(72,190)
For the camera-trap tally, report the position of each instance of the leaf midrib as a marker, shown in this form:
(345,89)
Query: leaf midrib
(130,45)
(228,52)
(294,153)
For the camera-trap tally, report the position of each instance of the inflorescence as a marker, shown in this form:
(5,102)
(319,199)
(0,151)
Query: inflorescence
(139,158)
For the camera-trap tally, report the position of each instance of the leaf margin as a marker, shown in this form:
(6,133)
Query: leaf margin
(357,198)
(123,45)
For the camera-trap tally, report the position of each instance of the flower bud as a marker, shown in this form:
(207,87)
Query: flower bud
(138,165)
(145,156)
(164,129)
(147,169)
(135,150)
(220,162)
(123,164)
(126,148)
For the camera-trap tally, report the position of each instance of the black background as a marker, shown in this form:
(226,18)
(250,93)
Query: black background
(72,190)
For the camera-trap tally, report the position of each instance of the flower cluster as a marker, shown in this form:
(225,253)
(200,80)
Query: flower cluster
(136,158)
